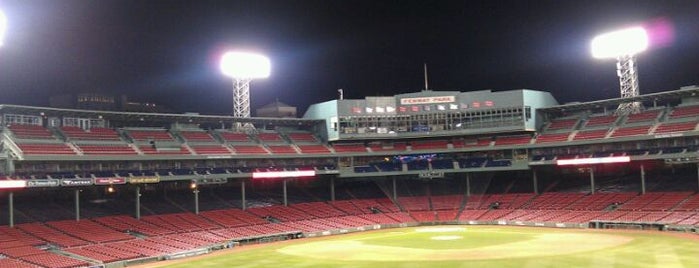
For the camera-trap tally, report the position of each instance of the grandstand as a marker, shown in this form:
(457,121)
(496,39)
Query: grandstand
(138,186)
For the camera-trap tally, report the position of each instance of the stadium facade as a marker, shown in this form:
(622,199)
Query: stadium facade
(478,157)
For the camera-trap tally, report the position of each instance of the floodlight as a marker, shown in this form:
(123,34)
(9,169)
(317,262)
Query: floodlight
(623,45)
(245,65)
(619,43)
(3,27)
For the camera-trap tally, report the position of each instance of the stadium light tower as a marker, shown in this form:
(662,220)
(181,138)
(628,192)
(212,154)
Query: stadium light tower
(623,45)
(243,67)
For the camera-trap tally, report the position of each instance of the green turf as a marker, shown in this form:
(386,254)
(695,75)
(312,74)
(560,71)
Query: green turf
(637,250)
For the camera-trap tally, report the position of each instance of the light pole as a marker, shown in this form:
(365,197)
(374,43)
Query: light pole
(623,45)
(243,67)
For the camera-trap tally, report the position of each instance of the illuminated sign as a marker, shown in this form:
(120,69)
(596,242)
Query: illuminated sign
(9,184)
(76,182)
(588,161)
(283,174)
(149,179)
(107,181)
(42,183)
(427,100)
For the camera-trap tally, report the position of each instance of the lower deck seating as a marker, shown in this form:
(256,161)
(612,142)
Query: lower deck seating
(106,240)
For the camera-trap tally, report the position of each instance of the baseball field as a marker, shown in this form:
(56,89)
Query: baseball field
(465,246)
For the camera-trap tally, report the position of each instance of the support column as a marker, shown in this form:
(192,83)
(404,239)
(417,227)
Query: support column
(332,188)
(11,209)
(286,201)
(468,184)
(242,193)
(196,201)
(77,204)
(138,202)
(643,179)
(535,181)
(395,190)
(592,181)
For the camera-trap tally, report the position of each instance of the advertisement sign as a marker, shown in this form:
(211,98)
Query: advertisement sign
(42,183)
(108,181)
(144,179)
(76,182)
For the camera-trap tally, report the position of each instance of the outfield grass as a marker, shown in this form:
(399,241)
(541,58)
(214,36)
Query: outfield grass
(466,246)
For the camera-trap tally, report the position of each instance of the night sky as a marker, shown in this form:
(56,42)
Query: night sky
(167,51)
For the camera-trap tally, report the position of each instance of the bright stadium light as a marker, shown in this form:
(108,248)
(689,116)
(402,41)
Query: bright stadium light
(243,67)
(3,27)
(623,45)
(620,43)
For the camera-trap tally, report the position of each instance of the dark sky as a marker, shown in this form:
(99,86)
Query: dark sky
(167,51)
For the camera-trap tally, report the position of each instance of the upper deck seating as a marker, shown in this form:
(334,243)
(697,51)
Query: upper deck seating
(196,136)
(380,147)
(106,149)
(148,149)
(212,149)
(643,116)
(95,133)
(234,137)
(349,148)
(45,148)
(150,135)
(281,149)
(557,124)
(302,137)
(631,131)
(33,132)
(684,111)
(675,127)
(270,137)
(429,145)
(591,134)
(597,121)
(314,149)
(513,140)
(466,143)
(552,137)
(249,149)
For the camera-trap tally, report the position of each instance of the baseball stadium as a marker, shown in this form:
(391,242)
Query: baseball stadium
(431,178)
(461,177)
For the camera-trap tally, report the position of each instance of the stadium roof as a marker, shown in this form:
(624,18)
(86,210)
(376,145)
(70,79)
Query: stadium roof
(687,91)
(149,117)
